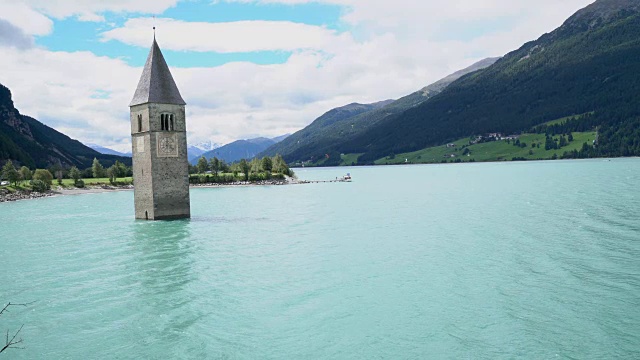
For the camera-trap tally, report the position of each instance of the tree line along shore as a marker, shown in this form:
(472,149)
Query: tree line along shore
(18,183)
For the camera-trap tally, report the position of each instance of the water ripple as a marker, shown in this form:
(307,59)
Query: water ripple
(535,260)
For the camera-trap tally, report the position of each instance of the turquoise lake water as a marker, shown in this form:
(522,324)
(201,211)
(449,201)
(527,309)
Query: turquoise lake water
(535,260)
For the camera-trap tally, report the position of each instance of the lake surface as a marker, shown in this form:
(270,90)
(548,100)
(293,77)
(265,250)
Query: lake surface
(533,260)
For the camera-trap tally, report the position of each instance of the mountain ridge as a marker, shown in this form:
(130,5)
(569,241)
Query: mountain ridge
(343,123)
(107,151)
(240,149)
(26,141)
(575,69)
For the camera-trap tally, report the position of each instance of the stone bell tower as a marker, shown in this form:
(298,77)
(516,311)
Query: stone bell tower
(159,144)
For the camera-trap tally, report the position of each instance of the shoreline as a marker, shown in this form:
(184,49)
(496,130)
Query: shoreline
(462,163)
(6,196)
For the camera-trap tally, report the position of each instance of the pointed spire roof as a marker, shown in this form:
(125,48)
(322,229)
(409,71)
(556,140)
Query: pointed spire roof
(156,83)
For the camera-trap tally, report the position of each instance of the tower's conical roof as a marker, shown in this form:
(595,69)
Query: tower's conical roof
(156,83)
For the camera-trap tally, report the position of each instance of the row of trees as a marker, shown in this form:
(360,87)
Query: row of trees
(13,175)
(557,143)
(115,171)
(618,133)
(41,179)
(253,170)
(580,123)
(214,165)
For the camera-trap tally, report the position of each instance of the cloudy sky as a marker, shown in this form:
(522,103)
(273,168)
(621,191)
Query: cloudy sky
(246,68)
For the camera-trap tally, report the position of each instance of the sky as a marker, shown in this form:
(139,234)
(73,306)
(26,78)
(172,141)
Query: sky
(247,68)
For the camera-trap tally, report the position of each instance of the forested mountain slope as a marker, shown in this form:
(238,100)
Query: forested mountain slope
(29,142)
(322,131)
(345,123)
(591,64)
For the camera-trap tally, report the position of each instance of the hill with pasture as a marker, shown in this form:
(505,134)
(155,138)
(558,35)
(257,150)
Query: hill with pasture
(589,65)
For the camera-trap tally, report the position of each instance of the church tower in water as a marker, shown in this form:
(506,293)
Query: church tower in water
(159,144)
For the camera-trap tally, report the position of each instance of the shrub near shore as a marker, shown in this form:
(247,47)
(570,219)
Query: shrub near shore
(231,178)
(255,171)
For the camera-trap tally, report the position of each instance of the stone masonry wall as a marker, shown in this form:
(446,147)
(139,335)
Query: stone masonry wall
(161,180)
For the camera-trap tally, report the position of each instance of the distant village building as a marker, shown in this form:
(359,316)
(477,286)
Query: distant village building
(159,144)
(491,137)
(451,145)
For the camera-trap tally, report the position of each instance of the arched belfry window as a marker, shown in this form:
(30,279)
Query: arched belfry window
(139,123)
(166,122)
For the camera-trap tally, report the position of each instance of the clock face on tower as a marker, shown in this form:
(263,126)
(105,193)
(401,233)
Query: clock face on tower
(167,145)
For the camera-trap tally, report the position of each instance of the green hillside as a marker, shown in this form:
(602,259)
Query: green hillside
(587,66)
(29,142)
(531,147)
(326,128)
(341,124)
(590,64)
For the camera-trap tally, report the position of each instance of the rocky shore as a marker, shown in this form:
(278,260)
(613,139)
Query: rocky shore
(93,189)
(247,183)
(6,196)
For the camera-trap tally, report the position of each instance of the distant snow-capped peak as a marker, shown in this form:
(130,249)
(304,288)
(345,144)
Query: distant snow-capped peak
(207,145)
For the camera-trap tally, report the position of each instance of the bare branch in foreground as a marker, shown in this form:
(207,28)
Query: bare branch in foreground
(11,343)
(6,308)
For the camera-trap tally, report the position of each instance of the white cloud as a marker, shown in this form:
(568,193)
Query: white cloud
(393,48)
(25,18)
(428,19)
(88,10)
(227,37)
(59,89)
(90,17)
(417,13)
